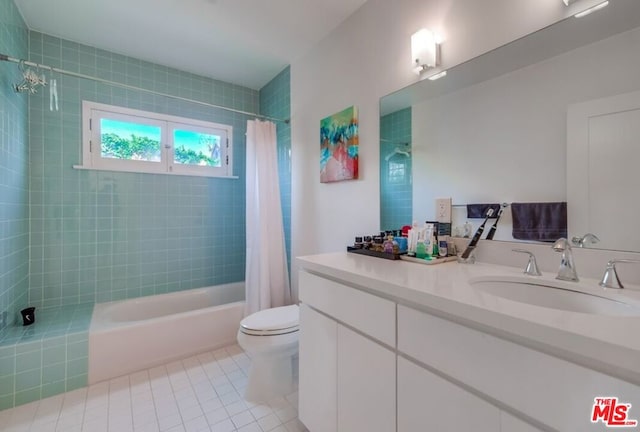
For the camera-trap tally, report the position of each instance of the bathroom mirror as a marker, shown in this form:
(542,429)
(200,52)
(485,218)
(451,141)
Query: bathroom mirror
(495,130)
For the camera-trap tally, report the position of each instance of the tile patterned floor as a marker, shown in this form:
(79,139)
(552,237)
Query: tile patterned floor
(196,394)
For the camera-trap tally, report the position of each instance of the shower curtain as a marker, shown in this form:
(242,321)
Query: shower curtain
(266,274)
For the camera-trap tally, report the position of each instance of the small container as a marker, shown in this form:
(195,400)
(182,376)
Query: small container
(467,230)
(388,245)
(402,243)
(28,316)
(358,243)
(367,242)
(443,248)
(421,250)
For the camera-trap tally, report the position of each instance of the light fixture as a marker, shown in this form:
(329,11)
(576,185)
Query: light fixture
(592,9)
(424,51)
(438,75)
(586,11)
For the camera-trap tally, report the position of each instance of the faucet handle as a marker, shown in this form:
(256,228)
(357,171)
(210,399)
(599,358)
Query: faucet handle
(532,265)
(585,239)
(610,277)
(561,245)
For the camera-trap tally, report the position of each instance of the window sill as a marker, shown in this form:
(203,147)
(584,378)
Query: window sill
(135,171)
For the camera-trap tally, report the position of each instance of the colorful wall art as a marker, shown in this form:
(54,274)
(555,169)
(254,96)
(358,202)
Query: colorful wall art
(339,146)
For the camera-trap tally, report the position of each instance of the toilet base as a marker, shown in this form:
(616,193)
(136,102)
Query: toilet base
(271,376)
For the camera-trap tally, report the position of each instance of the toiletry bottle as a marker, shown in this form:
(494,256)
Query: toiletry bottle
(358,243)
(421,250)
(395,245)
(402,244)
(428,238)
(467,229)
(443,248)
(388,245)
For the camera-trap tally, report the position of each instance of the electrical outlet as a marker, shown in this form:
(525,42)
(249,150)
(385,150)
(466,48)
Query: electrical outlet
(443,210)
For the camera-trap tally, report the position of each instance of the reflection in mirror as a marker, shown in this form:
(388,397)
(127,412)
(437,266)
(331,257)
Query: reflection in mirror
(395,169)
(495,129)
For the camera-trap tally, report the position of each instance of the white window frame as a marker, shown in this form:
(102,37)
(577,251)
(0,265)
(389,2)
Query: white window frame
(92,112)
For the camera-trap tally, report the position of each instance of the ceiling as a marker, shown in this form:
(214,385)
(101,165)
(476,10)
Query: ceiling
(245,42)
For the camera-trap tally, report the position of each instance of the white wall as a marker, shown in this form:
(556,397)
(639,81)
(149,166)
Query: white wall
(365,58)
(504,140)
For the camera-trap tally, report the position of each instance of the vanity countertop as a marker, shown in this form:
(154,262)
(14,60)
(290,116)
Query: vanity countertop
(610,344)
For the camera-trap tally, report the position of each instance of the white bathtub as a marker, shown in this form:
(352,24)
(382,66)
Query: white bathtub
(130,335)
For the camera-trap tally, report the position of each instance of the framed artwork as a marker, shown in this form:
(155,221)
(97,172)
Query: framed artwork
(339,146)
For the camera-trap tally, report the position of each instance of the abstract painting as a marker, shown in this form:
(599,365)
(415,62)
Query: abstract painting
(339,146)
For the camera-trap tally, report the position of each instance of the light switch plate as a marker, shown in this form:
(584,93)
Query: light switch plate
(443,210)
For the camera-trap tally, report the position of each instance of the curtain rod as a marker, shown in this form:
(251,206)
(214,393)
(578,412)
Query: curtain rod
(6,58)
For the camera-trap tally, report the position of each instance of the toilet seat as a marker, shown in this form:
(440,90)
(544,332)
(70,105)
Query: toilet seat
(272,322)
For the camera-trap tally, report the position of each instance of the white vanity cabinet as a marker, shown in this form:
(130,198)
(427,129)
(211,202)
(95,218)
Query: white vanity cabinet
(430,403)
(318,370)
(347,377)
(376,357)
(553,391)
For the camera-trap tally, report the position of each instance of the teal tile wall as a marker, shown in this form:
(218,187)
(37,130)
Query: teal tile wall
(14,194)
(45,358)
(396,202)
(99,236)
(275,101)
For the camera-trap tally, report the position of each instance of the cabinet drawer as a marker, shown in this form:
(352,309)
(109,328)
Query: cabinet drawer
(554,391)
(426,399)
(369,314)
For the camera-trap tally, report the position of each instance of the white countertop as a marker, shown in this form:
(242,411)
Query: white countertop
(610,344)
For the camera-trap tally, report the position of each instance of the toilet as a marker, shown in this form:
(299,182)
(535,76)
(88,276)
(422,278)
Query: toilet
(270,339)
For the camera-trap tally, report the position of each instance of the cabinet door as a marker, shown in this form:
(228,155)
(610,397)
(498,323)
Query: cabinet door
(317,377)
(509,423)
(366,384)
(427,402)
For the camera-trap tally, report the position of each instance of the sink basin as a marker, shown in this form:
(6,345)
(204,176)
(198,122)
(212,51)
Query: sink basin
(555,296)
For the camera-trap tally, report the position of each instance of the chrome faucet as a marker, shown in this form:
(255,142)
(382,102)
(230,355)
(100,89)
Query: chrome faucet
(586,239)
(610,277)
(567,270)
(532,265)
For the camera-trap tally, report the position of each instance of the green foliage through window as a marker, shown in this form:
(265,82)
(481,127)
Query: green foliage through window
(134,148)
(184,155)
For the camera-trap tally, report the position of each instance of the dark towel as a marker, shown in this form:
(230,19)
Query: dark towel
(479,211)
(539,221)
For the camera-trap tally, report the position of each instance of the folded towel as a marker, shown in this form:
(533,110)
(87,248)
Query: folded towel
(479,211)
(539,221)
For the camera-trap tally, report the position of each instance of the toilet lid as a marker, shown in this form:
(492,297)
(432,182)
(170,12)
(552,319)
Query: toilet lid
(271,322)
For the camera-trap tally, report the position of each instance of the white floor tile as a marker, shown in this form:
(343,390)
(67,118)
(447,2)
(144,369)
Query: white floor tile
(202,393)
(286,414)
(198,424)
(236,408)
(252,427)
(242,419)
(223,426)
(211,405)
(260,411)
(216,416)
(269,422)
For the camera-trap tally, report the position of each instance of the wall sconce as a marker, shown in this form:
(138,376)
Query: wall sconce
(586,11)
(424,51)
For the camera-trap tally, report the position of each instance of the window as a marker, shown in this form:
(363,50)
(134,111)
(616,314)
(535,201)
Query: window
(397,173)
(123,139)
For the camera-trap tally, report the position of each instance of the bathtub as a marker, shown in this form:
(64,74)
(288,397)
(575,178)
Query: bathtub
(130,335)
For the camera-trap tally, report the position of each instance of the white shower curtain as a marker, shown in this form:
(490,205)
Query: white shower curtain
(266,274)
